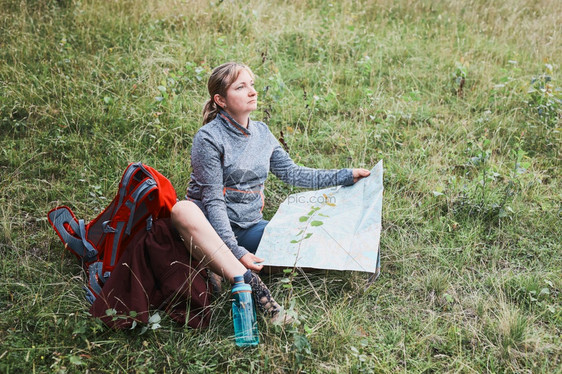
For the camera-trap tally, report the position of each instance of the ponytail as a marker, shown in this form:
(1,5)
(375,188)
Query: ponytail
(210,111)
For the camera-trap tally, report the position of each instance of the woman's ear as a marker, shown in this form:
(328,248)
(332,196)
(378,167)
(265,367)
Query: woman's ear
(219,100)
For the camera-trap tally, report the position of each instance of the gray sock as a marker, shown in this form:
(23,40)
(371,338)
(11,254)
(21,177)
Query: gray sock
(248,276)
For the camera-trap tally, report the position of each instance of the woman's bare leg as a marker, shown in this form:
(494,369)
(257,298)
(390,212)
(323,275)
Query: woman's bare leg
(203,242)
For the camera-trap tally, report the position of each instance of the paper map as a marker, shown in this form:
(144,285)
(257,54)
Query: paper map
(335,228)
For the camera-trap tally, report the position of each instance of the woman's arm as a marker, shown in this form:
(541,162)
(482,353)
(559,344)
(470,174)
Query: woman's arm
(285,169)
(208,174)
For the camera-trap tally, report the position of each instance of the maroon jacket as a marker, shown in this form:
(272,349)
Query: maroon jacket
(155,272)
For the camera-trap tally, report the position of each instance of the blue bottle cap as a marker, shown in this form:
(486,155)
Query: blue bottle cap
(238,278)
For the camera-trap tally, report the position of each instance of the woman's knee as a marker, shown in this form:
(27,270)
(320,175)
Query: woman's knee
(184,212)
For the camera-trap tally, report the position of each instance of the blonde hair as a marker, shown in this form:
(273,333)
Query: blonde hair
(221,78)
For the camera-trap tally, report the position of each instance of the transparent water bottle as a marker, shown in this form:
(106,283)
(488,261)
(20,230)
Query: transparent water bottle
(244,314)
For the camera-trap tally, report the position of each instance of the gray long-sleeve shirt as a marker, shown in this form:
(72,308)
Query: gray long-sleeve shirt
(230,165)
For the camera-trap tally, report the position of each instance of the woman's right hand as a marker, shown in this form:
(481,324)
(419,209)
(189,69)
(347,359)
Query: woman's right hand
(359,174)
(249,261)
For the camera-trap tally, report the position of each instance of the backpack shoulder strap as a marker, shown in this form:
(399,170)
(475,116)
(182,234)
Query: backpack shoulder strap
(72,232)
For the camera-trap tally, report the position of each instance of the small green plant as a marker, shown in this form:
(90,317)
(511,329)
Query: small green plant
(544,98)
(153,321)
(309,220)
(175,82)
(363,362)
(487,197)
(287,279)
(301,347)
(459,78)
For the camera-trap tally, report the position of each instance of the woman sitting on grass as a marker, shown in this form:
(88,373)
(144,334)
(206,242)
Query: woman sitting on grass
(231,157)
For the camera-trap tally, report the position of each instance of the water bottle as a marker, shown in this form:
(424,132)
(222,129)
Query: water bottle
(244,314)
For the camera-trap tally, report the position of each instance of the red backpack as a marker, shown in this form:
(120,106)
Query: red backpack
(144,195)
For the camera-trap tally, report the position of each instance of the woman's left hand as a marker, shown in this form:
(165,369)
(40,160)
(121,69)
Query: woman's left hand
(360,174)
(252,262)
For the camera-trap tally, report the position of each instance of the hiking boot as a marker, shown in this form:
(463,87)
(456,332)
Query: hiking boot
(265,302)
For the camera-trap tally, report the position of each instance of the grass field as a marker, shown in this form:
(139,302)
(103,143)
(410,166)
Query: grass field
(462,101)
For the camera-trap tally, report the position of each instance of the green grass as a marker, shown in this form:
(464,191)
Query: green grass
(470,249)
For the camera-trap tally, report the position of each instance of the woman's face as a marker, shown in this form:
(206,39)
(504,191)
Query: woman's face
(241,97)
